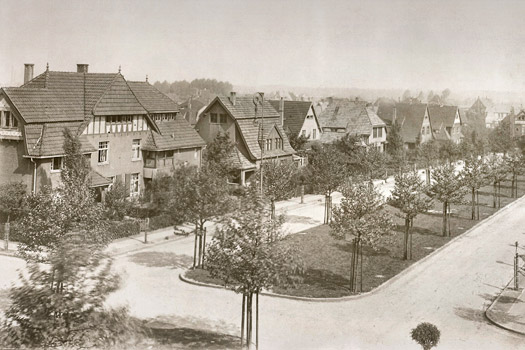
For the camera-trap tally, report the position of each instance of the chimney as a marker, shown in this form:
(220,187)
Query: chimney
(233,97)
(394,117)
(82,68)
(281,110)
(28,72)
(330,100)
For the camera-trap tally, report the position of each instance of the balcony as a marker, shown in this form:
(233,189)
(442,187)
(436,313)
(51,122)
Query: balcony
(10,134)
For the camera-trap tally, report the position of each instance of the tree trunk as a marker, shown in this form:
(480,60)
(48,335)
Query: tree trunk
(410,246)
(250,320)
(203,246)
(361,270)
(405,241)
(494,195)
(200,248)
(512,186)
(477,203)
(352,265)
(473,203)
(499,194)
(444,229)
(242,318)
(257,320)
(448,219)
(195,249)
(302,193)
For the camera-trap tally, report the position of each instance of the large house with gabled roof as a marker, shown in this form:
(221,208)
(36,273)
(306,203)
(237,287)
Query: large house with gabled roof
(446,123)
(299,118)
(130,131)
(255,128)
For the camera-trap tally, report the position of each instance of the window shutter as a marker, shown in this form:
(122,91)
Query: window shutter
(127,183)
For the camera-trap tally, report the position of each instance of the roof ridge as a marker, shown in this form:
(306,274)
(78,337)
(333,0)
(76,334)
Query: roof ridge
(104,93)
(140,103)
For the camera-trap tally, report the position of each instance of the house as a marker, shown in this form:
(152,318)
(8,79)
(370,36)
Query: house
(516,124)
(496,113)
(128,130)
(192,109)
(343,116)
(255,128)
(414,121)
(446,122)
(299,118)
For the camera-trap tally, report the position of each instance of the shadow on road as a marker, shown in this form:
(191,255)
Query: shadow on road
(162,259)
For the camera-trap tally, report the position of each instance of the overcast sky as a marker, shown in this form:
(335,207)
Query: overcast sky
(462,45)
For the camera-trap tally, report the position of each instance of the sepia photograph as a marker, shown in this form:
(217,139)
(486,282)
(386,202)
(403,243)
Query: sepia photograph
(262,175)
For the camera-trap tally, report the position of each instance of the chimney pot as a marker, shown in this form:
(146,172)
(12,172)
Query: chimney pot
(233,97)
(28,72)
(281,110)
(82,68)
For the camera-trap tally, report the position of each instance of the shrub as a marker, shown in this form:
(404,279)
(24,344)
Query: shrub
(162,221)
(426,334)
(125,228)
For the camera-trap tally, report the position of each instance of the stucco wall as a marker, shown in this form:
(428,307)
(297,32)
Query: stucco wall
(309,125)
(208,131)
(13,167)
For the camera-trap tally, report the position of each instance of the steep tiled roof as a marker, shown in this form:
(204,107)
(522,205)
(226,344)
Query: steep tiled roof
(385,110)
(250,130)
(294,113)
(442,115)
(46,140)
(191,108)
(244,108)
(152,99)
(118,99)
(339,113)
(174,134)
(239,161)
(374,118)
(411,118)
(98,180)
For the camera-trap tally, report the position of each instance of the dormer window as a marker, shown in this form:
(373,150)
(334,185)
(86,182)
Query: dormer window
(7,120)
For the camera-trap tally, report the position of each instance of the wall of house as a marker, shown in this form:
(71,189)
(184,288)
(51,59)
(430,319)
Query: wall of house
(455,135)
(14,167)
(46,176)
(425,126)
(309,125)
(378,142)
(209,130)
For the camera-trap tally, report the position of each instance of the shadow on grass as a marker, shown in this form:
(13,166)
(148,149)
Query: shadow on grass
(416,229)
(367,251)
(326,280)
(162,259)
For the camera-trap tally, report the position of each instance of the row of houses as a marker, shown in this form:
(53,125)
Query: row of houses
(132,132)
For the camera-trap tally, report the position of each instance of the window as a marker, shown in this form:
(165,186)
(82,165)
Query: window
(7,116)
(56,164)
(103,149)
(378,132)
(268,144)
(223,119)
(314,134)
(135,149)
(303,133)
(196,154)
(134,184)
(213,118)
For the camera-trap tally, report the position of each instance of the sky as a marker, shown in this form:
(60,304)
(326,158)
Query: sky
(461,45)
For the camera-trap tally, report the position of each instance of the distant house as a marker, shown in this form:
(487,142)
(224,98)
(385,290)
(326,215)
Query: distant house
(256,131)
(344,116)
(299,118)
(495,114)
(446,122)
(191,109)
(416,127)
(516,124)
(128,130)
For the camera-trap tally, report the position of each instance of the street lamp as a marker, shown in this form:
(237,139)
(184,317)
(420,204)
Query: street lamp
(259,99)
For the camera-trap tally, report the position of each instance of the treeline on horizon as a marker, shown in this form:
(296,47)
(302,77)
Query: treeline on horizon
(181,90)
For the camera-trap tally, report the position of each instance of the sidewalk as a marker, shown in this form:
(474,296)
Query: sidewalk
(508,310)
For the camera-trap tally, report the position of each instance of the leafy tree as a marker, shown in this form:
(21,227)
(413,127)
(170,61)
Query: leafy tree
(360,217)
(12,200)
(500,138)
(449,151)
(474,174)
(430,96)
(516,165)
(62,305)
(297,141)
(217,155)
(447,188)
(51,214)
(247,256)
(407,95)
(373,163)
(427,154)
(351,148)
(197,196)
(408,197)
(279,181)
(426,334)
(327,169)
(116,202)
(395,145)
(497,172)
(444,95)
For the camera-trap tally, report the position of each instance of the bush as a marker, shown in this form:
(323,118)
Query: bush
(162,221)
(125,228)
(426,334)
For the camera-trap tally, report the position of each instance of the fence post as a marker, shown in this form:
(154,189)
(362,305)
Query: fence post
(516,268)
(7,227)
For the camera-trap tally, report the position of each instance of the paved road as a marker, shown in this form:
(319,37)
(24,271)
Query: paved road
(450,289)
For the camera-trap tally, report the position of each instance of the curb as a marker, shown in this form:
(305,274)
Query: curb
(382,285)
(147,245)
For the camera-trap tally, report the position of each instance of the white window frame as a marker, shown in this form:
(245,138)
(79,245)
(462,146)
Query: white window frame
(135,149)
(134,181)
(61,164)
(104,150)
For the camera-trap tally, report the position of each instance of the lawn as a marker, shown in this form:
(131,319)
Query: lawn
(327,260)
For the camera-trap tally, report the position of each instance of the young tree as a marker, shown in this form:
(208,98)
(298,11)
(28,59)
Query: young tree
(53,213)
(500,138)
(350,146)
(197,196)
(408,197)
(12,205)
(427,154)
(327,169)
(116,202)
(62,305)
(497,172)
(395,145)
(474,175)
(515,165)
(426,334)
(360,216)
(373,163)
(279,181)
(247,256)
(449,151)
(217,155)
(447,188)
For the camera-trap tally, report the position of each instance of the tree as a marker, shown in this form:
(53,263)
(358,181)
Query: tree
(447,188)
(426,334)
(327,169)
(474,174)
(500,138)
(116,201)
(427,154)
(407,95)
(247,256)
(430,96)
(62,305)
(351,148)
(444,95)
(72,207)
(497,172)
(516,165)
(408,197)
(197,196)
(12,200)
(449,151)
(395,145)
(360,217)
(217,155)
(279,181)
(297,141)
(373,163)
